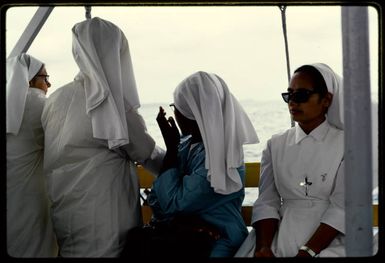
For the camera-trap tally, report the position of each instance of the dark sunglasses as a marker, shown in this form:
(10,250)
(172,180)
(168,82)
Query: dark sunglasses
(300,96)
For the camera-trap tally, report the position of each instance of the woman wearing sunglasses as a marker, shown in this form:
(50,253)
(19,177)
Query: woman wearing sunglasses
(300,208)
(29,228)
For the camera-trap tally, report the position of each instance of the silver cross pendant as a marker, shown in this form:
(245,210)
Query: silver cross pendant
(306,184)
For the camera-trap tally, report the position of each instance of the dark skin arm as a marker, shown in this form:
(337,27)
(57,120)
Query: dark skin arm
(265,230)
(171,138)
(320,240)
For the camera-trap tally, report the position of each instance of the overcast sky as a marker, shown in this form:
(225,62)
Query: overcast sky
(242,44)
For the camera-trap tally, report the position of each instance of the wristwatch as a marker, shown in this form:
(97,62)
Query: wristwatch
(309,251)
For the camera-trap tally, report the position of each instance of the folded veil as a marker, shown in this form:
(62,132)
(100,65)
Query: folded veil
(20,70)
(334,83)
(223,124)
(101,51)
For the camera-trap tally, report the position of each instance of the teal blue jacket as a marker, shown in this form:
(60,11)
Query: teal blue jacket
(185,190)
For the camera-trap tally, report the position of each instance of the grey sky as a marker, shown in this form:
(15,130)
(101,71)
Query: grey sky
(243,45)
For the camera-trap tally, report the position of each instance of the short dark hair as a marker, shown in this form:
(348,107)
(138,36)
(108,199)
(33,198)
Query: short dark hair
(318,80)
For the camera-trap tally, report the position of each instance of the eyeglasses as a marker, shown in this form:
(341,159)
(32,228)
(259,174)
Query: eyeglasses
(300,96)
(172,106)
(46,77)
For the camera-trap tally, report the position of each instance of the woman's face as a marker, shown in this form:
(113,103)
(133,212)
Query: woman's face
(40,81)
(311,113)
(186,126)
(183,122)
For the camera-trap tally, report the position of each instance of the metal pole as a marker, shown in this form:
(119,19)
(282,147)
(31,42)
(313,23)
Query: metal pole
(282,8)
(31,30)
(88,11)
(283,17)
(357,111)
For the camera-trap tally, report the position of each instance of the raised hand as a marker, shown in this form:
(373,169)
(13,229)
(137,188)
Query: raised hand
(169,130)
(171,138)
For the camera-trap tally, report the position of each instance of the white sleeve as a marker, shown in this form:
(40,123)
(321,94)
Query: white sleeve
(142,148)
(141,144)
(335,214)
(154,163)
(268,202)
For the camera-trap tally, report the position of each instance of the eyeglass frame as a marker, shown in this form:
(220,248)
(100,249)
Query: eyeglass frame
(287,96)
(46,77)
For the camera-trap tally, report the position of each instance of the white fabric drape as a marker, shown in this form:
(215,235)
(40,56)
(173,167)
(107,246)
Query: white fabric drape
(223,124)
(20,70)
(334,84)
(95,190)
(29,226)
(101,51)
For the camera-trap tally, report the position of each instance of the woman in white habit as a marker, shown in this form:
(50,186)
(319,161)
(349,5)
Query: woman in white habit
(94,134)
(29,226)
(300,210)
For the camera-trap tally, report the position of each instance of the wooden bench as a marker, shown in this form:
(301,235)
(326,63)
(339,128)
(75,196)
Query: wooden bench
(252,180)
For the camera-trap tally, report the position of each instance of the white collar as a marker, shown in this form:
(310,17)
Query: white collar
(317,134)
(36,91)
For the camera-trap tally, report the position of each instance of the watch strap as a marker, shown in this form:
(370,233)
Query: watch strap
(308,250)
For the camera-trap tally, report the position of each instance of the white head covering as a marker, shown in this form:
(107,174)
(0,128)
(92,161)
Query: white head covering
(223,124)
(334,84)
(20,70)
(101,51)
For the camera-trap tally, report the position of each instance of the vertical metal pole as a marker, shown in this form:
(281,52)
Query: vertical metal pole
(283,17)
(282,8)
(31,30)
(357,111)
(88,11)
